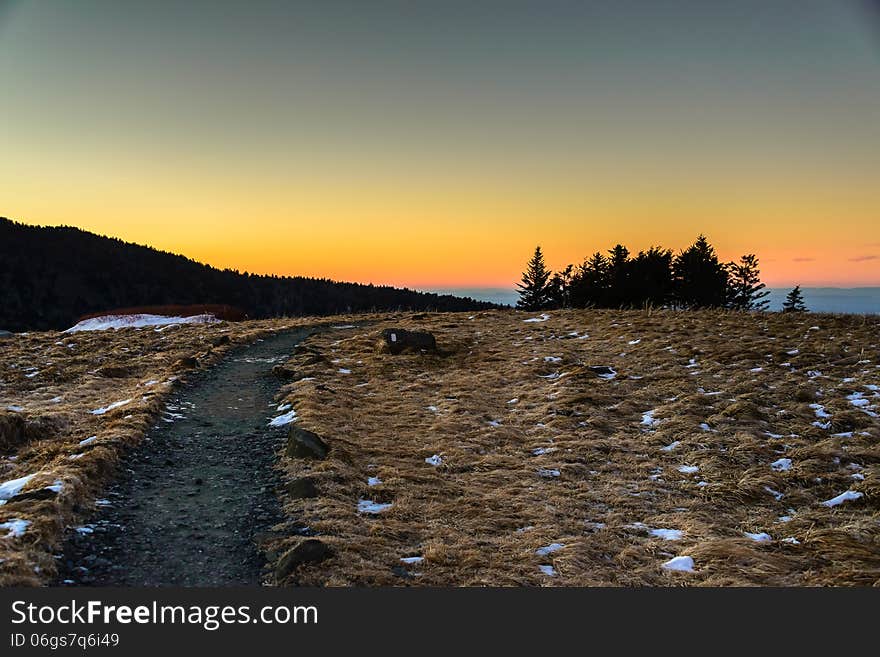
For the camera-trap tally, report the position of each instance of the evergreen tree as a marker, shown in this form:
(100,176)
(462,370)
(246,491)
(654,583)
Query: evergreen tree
(745,289)
(560,287)
(591,282)
(700,280)
(534,290)
(650,278)
(794,301)
(619,292)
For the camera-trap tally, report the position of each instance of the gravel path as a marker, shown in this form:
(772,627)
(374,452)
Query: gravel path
(192,497)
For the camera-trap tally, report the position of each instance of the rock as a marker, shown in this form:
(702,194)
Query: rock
(310,550)
(4,335)
(398,340)
(220,341)
(188,363)
(113,371)
(301,488)
(305,444)
(283,372)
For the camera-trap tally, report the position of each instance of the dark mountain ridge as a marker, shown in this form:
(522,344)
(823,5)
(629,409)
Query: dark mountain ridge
(51,276)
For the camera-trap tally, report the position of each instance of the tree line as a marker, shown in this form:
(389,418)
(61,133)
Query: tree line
(692,278)
(49,277)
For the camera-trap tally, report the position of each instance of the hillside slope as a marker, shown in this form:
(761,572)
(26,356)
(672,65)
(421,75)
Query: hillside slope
(49,277)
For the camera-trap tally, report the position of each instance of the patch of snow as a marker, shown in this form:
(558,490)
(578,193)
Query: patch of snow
(342,370)
(843,497)
(791,540)
(667,534)
(284,407)
(106,409)
(671,446)
(368,506)
(548,473)
(344,326)
(775,493)
(513,401)
(136,321)
(549,549)
(547,570)
(12,487)
(14,408)
(682,564)
(543,317)
(688,469)
(552,359)
(634,341)
(15,527)
(761,537)
(781,465)
(433,409)
(85,530)
(87,441)
(648,419)
(434,460)
(281,420)
(373,481)
(756,369)
(494,423)
(410,560)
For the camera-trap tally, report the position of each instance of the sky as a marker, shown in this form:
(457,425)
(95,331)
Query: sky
(434,144)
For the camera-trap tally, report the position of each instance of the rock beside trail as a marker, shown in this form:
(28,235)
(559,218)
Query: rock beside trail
(188,363)
(283,372)
(305,444)
(301,488)
(308,551)
(397,340)
(220,341)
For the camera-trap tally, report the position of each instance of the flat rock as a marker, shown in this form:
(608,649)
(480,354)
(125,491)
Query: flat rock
(311,550)
(398,340)
(302,443)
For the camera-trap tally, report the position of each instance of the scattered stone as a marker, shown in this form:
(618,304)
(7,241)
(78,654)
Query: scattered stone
(301,488)
(302,443)
(398,340)
(310,550)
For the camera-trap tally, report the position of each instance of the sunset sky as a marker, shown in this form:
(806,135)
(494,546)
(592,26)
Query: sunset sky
(434,144)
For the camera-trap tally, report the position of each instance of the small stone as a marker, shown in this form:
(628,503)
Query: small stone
(310,550)
(301,488)
(302,443)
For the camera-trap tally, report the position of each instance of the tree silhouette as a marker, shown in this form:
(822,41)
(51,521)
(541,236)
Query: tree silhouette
(746,291)
(534,290)
(650,278)
(560,287)
(591,283)
(794,301)
(700,280)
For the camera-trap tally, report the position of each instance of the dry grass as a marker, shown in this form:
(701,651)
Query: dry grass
(501,411)
(49,384)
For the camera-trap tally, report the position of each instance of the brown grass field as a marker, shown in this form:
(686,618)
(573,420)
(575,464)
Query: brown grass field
(552,475)
(716,426)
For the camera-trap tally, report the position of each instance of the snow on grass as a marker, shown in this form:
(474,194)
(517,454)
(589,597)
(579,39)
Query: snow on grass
(848,496)
(543,317)
(107,409)
(84,530)
(513,401)
(820,411)
(756,369)
(634,341)
(681,564)
(671,446)
(13,487)
(548,473)
(761,537)
(540,451)
(648,419)
(433,409)
(552,359)
(373,481)
(775,493)
(411,560)
(87,441)
(282,420)
(106,322)
(610,374)
(342,370)
(284,407)
(14,527)
(781,465)
(549,549)
(547,570)
(688,469)
(371,507)
(434,460)
(792,540)
(667,534)
(343,326)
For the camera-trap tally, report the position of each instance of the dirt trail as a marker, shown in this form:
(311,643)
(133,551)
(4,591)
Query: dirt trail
(193,495)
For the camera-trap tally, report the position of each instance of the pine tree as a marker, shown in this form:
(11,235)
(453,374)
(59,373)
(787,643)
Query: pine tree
(534,291)
(745,289)
(560,287)
(794,301)
(700,280)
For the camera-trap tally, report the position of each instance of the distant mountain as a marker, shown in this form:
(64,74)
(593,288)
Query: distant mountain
(50,277)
